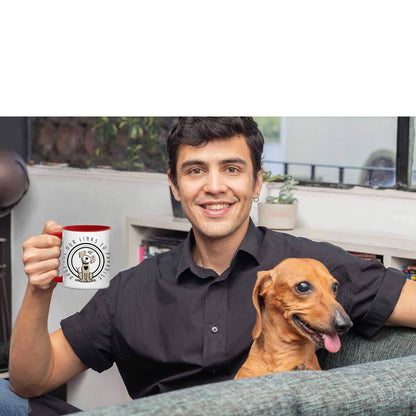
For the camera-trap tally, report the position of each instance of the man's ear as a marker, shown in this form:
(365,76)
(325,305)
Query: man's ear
(259,182)
(174,188)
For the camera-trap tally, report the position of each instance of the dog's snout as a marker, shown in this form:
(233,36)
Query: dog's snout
(342,322)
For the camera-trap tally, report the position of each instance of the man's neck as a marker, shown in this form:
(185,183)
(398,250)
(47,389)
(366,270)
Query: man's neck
(217,253)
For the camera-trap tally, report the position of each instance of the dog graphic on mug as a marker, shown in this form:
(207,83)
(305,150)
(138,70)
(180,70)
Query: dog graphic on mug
(84,273)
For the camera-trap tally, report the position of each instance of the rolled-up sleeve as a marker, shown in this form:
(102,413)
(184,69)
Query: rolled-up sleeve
(89,332)
(383,304)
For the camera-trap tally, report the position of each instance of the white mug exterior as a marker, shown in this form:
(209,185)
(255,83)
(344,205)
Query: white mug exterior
(85,259)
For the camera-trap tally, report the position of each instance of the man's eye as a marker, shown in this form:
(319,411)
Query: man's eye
(232,169)
(195,171)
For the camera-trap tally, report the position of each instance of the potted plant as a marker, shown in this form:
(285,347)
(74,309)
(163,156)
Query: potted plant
(128,143)
(279,212)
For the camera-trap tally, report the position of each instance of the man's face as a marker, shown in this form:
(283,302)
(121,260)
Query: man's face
(215,185)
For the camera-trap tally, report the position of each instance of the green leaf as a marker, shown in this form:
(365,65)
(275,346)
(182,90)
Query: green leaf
(112,129)
(133,132)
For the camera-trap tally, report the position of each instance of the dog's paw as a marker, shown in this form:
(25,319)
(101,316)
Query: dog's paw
(297,368)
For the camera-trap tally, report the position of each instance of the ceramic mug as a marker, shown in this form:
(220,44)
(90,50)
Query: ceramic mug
(85,256)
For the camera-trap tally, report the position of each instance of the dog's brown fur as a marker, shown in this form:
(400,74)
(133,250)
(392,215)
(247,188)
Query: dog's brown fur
(279,343)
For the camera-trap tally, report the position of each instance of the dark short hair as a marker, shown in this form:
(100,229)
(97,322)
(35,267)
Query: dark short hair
(198,131)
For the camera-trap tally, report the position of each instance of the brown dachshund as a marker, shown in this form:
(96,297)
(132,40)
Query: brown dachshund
(296,311)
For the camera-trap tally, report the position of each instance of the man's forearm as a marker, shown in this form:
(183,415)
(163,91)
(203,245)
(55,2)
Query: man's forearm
(31,360)
(404,314)
(40,362)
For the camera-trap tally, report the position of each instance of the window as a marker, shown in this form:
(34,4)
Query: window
(325,151)
(342,150)
(125,143)
(412,152)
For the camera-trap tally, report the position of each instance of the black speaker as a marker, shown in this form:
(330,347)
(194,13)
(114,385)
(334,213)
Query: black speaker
(14,136)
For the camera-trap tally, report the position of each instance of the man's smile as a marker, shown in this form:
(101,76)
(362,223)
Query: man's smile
(216,208)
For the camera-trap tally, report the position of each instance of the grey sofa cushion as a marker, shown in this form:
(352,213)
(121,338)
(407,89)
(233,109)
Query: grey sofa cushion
(385,387)
(388,343)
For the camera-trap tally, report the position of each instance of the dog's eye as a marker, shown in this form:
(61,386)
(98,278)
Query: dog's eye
(303,287)
(335,287)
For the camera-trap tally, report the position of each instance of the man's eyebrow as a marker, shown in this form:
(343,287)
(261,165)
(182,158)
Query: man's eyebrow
(197,162)
(191,162)
(233,160)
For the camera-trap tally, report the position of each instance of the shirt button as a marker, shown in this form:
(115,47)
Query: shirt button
(214,329)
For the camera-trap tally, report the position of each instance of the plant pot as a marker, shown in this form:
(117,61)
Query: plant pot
(277,216)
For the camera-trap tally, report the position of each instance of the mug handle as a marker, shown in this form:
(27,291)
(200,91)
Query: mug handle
(58,279)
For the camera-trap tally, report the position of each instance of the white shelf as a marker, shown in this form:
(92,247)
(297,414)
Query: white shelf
(397,251)
(139,228)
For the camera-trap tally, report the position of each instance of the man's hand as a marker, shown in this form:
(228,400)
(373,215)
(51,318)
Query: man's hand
(41,257)
(40,362)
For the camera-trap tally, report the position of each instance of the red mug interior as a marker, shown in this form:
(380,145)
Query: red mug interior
(86,228)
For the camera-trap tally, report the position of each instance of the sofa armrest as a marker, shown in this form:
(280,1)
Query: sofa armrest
(389,342)
(381,388)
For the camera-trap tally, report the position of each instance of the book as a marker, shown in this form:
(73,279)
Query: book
(410,271)
(367,256)
(158,244)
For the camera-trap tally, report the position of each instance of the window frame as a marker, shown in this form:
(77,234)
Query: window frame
(402,154)
(402,164)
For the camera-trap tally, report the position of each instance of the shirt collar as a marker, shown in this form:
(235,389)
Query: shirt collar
(251,245)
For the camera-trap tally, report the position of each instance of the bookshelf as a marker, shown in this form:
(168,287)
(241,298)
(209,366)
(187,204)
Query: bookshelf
(394,251)
(138,229)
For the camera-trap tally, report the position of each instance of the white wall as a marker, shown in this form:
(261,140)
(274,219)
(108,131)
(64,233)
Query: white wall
(359,210)
(74,196)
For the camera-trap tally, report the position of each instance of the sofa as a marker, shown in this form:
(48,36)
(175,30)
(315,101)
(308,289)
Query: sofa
(374,376)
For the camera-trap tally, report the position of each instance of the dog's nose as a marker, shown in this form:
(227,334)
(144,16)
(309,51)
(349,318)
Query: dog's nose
(342,322)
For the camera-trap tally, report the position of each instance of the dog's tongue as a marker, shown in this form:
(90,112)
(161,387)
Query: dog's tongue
(332,343)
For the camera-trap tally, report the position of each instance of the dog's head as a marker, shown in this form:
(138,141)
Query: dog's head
(87,257)
(303,292)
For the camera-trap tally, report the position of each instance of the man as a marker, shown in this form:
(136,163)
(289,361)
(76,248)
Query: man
(185,317)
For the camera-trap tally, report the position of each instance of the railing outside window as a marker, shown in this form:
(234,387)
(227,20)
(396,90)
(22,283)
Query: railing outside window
(377,176)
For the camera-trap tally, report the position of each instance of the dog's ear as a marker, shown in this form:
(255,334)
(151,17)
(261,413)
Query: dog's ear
(81,254)
(263,284)
(92,260)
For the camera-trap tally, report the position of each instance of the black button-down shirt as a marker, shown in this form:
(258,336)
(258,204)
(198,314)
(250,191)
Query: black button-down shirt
(168,323)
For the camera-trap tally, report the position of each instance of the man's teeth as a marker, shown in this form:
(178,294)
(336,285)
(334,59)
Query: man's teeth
(216,206)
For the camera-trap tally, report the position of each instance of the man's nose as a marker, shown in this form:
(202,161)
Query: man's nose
(214,183)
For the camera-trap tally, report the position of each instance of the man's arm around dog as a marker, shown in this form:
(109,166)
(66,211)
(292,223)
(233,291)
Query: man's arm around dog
(404,313)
